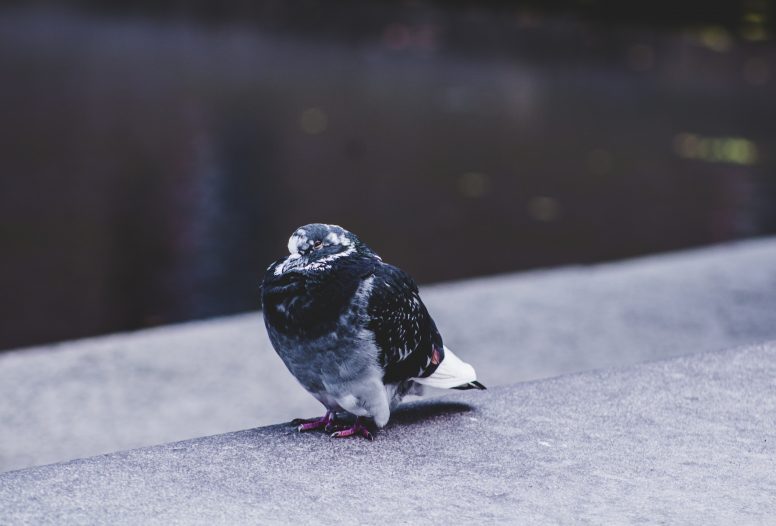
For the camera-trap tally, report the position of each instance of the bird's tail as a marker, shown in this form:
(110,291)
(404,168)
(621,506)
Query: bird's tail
(452,373)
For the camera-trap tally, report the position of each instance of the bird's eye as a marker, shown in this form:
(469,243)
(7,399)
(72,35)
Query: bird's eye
(317,245)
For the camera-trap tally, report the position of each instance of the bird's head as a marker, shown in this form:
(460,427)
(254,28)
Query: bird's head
(317,246)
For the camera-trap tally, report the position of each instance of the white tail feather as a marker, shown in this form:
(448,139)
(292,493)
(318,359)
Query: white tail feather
(452,372)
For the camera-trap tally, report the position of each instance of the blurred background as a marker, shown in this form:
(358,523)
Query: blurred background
(155,156)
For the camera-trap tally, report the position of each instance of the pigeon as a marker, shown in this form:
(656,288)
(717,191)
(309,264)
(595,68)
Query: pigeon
(353,331)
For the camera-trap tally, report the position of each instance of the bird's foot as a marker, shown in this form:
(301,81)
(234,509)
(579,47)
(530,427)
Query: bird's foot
(326,422)
(356,429)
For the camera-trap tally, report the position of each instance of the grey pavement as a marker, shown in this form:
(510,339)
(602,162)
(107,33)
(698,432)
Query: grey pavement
(129,390)
(691,440)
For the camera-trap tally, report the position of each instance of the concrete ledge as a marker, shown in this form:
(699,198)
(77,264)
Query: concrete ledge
(130,390)
(690,440)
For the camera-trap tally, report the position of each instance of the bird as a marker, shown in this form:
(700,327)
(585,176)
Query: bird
(353,331)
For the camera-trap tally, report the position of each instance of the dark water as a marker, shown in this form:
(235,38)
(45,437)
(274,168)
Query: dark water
(152,167)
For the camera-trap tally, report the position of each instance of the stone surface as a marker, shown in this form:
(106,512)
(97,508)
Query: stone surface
(128,390)
(691,440)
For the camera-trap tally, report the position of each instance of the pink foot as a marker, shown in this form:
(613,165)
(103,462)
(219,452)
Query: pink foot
(326,421)
(356,429)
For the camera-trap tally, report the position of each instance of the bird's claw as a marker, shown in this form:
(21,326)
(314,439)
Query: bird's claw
(325,422)
(356,429)
(329,425)
(308,426)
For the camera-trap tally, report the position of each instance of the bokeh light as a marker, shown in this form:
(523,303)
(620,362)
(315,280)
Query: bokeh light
(734,150)
(473,184)
(313,121)
(544,209)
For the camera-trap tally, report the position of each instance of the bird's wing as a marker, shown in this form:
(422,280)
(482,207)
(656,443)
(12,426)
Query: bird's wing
(409,343)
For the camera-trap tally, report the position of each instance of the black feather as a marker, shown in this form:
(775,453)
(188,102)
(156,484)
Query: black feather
(471,385)
(405,333)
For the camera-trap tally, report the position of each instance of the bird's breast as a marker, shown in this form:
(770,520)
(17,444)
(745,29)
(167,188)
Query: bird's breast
(336,357)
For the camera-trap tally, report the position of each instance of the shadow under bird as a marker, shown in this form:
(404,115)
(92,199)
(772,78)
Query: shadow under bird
(353,330)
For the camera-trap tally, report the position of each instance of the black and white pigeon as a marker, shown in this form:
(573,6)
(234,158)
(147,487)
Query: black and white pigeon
(353,330)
